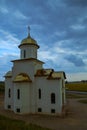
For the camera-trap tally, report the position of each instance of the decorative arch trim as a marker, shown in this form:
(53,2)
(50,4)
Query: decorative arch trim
(22,77)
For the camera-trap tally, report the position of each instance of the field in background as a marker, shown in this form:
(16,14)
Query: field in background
(80,86)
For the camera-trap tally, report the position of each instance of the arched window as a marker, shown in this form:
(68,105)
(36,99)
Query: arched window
(53,98)
(18,93)
(39,93)
(9,92)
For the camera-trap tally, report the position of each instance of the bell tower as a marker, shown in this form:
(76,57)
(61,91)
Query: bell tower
(28,47)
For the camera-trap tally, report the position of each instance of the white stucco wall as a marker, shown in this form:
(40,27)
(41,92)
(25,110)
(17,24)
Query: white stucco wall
(29,101)
(8,100)
(63,89)
(31,51)
(26,66)
(24,103)
(47,87)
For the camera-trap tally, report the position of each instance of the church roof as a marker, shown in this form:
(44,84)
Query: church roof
(28,40)
(22,78)
(57,75)
(43,72)
(8,74)
(50,73)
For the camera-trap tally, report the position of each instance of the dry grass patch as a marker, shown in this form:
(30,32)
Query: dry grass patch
(11,124)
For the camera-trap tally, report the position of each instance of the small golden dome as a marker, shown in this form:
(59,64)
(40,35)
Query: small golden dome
(28,40)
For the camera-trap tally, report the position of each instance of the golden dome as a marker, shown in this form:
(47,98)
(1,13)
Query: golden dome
(29,41)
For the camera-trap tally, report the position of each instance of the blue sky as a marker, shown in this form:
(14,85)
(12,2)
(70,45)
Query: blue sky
(59,26)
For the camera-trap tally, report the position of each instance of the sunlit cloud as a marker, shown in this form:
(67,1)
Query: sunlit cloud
(8,48)
(77,27)
(76,76)
(3,10)
(19,15)
(60,33)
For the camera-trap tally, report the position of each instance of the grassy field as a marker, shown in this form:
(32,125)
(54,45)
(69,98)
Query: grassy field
(83,101)
(10,124)
(77,86)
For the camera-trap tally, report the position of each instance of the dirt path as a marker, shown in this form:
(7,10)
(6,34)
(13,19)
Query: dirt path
(76,119)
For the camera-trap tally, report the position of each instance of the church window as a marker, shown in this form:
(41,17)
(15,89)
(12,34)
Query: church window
(18,110)
(53,98)
(39,92)
(39,109)
(52,110)
(9,106)
(24,54)
(9,92)
(18,93)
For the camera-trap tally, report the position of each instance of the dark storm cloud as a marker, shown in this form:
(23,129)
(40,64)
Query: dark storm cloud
(78,38)
(81,3)
(60,24)
(76,60)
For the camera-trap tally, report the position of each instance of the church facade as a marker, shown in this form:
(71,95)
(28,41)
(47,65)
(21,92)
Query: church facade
(29,88)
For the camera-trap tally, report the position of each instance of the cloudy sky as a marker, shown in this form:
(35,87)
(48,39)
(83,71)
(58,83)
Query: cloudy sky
(59,26)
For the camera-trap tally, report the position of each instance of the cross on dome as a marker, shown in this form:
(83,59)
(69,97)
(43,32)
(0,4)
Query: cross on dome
(28,31)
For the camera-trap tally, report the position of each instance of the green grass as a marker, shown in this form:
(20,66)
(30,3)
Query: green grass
(77,86)
(83,101)
(10,124)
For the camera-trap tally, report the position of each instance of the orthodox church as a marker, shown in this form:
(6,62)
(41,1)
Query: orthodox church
(29,88)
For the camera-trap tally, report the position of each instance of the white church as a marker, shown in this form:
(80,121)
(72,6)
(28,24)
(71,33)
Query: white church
(31,89)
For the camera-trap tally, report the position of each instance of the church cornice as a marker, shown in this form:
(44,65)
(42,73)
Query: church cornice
(22,77)
(28,59)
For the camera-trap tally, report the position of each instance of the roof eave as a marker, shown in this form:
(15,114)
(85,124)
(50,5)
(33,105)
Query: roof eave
(23,44)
